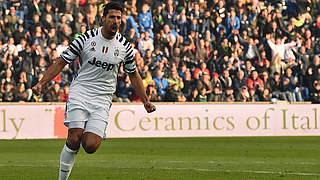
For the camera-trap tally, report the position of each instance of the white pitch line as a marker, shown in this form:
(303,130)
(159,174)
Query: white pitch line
(245,171)
(196,169)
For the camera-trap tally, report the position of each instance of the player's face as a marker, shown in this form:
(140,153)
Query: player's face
(112,21)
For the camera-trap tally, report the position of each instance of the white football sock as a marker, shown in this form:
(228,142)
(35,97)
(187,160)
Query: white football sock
(67,159)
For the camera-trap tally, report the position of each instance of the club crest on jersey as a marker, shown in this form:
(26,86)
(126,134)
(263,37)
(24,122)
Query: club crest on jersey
(93,43)
(116,51)
(105,49)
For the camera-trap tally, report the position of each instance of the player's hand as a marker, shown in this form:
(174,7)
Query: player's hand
(149,107)
(37,89)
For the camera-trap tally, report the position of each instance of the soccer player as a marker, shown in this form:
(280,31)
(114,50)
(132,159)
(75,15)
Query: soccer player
(101,51)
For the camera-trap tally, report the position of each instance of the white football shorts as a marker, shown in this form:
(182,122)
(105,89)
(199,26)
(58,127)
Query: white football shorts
(87,116)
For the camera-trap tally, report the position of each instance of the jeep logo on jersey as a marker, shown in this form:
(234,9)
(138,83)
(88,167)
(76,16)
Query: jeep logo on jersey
(103,65)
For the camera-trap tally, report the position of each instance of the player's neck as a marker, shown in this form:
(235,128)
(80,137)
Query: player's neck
(106,34)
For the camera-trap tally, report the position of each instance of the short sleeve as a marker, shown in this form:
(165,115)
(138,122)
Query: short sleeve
(129,63)
(74,50)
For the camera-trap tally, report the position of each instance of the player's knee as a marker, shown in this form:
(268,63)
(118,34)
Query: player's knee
(90,147)
(74,138)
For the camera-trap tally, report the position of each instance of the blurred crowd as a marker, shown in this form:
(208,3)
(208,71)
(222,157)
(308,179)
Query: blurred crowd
(185,51)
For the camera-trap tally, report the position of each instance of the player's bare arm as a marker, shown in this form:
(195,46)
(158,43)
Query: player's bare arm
(137,84)
(52,72)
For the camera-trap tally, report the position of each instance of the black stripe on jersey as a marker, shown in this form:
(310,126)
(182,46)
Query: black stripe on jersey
(82,39)
(92,33)
(80,45)
(121,39)
(130,48)
(128,45)
(129,62)
(66,53)
(66,59)
(97,32)
(75,47)
(73,51)
(130,53)
(126,42)
(131,57)
(87,35)
(130,70)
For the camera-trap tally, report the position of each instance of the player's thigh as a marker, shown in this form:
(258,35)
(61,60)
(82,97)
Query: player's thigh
(93,135)
(76,120)
(95,128)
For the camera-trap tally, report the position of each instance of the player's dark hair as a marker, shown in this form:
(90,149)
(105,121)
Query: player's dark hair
(112,5)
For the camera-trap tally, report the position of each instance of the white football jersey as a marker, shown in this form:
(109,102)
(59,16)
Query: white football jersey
(99,62)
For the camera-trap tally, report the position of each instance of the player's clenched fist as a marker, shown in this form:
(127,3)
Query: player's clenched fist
(37,89)
(149,107)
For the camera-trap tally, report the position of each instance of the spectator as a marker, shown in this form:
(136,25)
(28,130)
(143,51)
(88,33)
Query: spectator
(65,93)
(200,71)
(277,88)
(161,83)
(9,48)
(147,81)
(216,95)
(8,93)
(228,96)
(205,82)
(202,97)
(8,78)
(292,8)
(19,34)
(152,93)
(239,81)
(253,96)
(193,96)
(175,79)
(278,65)
(255,82)
(21,94)
(174,94)
(124,90)
(233,22)
(266,95)
(48,23)
(54,94)
(243,95)
(279,48)
(188,83)
(226,80)
(130,24)
(10,21)
(169,16)
(25,80)
(145,20)
(290,86)
(145,43)
(34,22)
(315,94)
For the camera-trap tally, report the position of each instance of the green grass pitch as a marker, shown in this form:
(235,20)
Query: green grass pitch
(233,158)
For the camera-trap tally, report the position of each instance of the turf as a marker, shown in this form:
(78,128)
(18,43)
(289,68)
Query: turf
(233,158)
